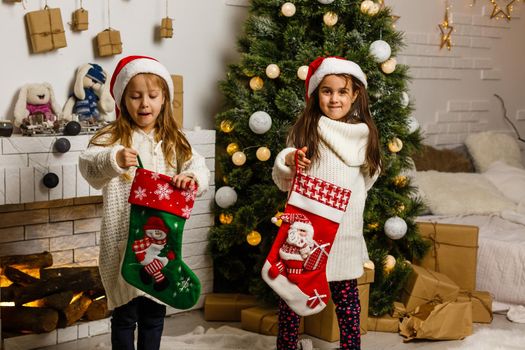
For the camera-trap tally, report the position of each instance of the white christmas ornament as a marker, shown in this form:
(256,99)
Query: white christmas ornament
(413,124)
(239,158)
(260,122)
(263,153)
(390,262)
(395,227)
(389,65)
(288,9)
(225,197)
(330,18)
(380,51)
(273,71)
(302,72)
(326,2)
(404,99)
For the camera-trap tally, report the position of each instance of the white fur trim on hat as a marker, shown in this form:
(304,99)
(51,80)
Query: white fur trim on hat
(334,65)
(308,228)
(139,66)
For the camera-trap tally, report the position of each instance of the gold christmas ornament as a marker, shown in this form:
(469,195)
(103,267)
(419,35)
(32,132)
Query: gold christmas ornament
(232,148)
(446,30)
(374,9)
(390,262)
(288,9)
(263,153)
(253,238)
(389,65)
(273,71)
(276,219)
(395,145)
(330,18)
(239,158)
(366,5)
(369,265)
(256,83)
(248,72)
(400,180)
(400,208)
(226,126)
(226,219)
(225,179)
(302,72)
(498,12)
(373,226)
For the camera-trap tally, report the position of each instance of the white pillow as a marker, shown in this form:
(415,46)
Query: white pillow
(487,147)
(508,180)
(460,193)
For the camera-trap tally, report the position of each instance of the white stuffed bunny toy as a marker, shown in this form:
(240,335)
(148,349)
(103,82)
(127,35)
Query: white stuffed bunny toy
(36,106)
(91,101)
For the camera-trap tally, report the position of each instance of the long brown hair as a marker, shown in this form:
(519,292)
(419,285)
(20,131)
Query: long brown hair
(305,133)
(173,140)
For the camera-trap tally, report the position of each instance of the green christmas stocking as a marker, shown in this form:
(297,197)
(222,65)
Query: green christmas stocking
(153,259)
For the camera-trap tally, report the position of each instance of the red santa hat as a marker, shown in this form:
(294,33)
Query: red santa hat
(130,66)
(155,223)
(323,66)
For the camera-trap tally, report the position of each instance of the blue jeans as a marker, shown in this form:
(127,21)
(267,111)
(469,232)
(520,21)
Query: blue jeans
(144,313)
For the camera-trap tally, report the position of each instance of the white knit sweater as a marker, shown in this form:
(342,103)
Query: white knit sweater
(99,167)
(342,151)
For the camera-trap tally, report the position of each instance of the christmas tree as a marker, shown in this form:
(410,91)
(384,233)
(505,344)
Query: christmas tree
(265,93)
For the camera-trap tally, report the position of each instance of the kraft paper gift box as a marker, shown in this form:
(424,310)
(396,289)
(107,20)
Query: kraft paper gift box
(227,306)
(166,28)
(46,30)
(424,285)
(178,99)
(446,321)
(108,42)
(481,305)
(399,310)
(385,323)
(80,20)
(263,320)
(453,251)
(324,325)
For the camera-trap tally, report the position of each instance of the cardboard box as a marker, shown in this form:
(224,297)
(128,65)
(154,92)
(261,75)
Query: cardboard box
(481,305)
(166,28)
(109,43)
(80,20)
(227,306)
(385,323)
(453,251)
(263,320)
(178,103)
(324,325)
(46,30)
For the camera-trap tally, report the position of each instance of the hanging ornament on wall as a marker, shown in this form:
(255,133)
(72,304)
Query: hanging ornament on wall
(226,219)
(232,148)
(225,197)
(395,227)
(260,122)
(253,238)
(50,180)
(288,9)
(389,65)
(256,83)
(390,262)
(62,145)
(166,25)
(330,18)
(239,158)
(302,72)
(498,12)
(226,126)
(413,124)
(326,2)
(405,99)
(263,153)
(273,71)
(395,145)
(80,19)
(380,51)
(446,30)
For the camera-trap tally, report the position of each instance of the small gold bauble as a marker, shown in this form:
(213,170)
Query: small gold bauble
(400,208)
(256,83)
(226,126)
(400,180)
(389,65)
(366,5)
(369,265)
(390,262)
(302,72)
(263,153)
(374,9)
(395,145)
(226,219)
(232,148)
(253,238)
(373,226)
(288,9)
(330,18)
(225,179)
(273,71)
(239,158)
(248,72)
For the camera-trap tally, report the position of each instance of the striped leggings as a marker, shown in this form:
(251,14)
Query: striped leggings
(347,308)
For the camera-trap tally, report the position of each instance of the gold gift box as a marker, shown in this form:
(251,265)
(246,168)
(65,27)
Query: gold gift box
(263,320)
(46,30)
(453,251)
(481,305)
(178,99)
(166,28)
(109,43)
(80,20)
(385,323)
(226,306)
(324,325)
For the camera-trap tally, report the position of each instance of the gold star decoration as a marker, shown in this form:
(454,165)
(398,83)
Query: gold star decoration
(498,12)
(446,31)
(393,17)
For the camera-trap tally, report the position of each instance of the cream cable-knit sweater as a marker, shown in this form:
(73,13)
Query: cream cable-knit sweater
(341,153)
(99,167)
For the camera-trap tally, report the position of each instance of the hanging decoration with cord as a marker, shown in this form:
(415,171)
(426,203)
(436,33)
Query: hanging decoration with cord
(446,29)
(499,12)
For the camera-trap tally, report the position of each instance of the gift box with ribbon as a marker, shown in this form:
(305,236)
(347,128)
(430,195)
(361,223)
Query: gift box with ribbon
(109,43)
(80,20)
(226,306)
(46,30)
(166,28)
(481,305)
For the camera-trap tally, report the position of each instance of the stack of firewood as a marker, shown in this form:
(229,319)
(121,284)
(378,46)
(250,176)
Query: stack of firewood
(60,297)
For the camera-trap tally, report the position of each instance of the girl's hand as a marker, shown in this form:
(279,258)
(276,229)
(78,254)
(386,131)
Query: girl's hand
(303,162)
(183,181)
(127,157)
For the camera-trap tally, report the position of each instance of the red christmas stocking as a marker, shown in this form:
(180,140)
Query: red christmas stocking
(295,267)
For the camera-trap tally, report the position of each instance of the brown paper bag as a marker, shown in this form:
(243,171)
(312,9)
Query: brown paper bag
(446,321)
(109,43)
(80,20)
(226,307)
(166,28)
(481,305)
(453,251)
(46,30)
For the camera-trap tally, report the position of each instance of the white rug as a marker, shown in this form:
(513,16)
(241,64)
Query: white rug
(493,339)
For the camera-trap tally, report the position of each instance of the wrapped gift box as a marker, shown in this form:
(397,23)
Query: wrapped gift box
(425,285)
(80,20)
(399,310)
(108,42)
(178,99)
(324,325)
(263,320)
(226,307)
(481,305)
(166,28)
(446,321)
(385,323)
(46,30)
(453,251)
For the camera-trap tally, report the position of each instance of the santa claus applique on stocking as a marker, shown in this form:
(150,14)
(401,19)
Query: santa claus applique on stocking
(153,259)
(295,267)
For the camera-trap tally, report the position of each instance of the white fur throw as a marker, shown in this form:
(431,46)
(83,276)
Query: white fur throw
(487,147)
(508,180)
(460,193)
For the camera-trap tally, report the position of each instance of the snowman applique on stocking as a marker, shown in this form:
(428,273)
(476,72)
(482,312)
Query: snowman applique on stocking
(153,259)
(295,267)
